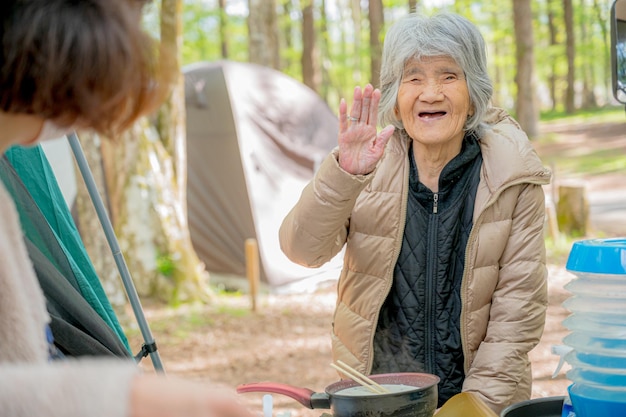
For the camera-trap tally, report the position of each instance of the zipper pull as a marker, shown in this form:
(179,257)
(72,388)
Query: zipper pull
(435,201)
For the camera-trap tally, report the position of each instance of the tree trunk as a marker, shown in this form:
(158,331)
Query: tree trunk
(131,194)
(223,29)
(570,51)
(263,33)
(345,77)
(188,274)
(603,24)
(325,51)
(588,91)
(356,21)
(499,67)
(149,218)
(552,77)
(377,21)
(310,74)
(527,112)
(171,115)
(286,29)
(146,171)
(572,210)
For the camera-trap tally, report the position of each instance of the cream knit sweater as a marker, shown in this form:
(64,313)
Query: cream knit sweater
(29,384)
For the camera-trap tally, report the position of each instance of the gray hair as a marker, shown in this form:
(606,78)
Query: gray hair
(444,34)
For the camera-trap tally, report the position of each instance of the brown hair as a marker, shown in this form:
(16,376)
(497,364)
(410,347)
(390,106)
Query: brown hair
(85,61)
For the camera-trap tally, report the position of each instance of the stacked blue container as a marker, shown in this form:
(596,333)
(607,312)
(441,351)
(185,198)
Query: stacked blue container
(598,327)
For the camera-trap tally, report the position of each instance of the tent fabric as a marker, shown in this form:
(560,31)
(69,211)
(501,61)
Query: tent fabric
(58,253)
(78,330)
(254,139)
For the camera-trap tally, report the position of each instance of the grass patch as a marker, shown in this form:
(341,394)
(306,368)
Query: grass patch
(598,151)
(232,311)
(601,114)
(180,321)
(601,161)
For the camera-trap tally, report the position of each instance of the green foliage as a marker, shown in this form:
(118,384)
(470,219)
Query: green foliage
(166,266)
(344,54)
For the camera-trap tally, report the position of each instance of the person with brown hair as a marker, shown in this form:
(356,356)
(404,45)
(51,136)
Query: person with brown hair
(68,64)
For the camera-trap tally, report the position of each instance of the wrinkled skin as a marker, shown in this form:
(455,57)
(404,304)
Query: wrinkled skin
(360,146)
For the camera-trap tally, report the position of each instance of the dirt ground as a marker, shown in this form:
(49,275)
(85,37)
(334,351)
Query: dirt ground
(286,339)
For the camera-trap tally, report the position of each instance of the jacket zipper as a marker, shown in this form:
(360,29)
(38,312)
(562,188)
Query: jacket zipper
(431,261)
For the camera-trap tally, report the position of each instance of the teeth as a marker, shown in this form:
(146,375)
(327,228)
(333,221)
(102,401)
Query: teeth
(429,115)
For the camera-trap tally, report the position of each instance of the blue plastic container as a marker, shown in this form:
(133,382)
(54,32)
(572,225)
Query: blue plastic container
(590,401)
(593,361)
(598,256)
(598,327)
(596,344)
(599,377)
(610,326)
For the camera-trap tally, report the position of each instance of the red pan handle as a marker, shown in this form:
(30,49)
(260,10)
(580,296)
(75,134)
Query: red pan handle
(302,395)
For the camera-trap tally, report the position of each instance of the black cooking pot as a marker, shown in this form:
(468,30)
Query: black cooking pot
(538,407)
(421,401)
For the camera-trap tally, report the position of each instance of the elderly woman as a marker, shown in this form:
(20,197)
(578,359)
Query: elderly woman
(441,215)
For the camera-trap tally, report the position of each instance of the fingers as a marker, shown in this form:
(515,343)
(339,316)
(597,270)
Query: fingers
(384,136)
(364,107)
(373,110)
(366,102)
(343,115)
(357,104)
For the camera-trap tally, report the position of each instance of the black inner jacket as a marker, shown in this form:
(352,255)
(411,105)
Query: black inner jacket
(419,323)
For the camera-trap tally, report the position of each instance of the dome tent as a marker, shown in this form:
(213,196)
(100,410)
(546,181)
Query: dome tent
(254,139)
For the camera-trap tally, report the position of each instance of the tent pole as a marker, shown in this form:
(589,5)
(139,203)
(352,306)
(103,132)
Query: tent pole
(149,346)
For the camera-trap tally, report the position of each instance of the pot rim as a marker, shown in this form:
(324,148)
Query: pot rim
(397,378)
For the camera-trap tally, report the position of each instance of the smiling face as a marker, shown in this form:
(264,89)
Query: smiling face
(433,101)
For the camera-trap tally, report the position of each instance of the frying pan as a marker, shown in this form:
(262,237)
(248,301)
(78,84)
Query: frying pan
(419,401)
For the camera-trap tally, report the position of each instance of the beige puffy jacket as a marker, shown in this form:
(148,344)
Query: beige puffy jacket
(504,289)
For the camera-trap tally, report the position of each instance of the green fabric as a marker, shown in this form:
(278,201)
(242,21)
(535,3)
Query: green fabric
(36,173)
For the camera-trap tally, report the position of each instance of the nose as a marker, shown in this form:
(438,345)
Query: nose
(431,90)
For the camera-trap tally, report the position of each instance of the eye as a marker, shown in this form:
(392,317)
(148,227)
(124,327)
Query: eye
(449,78)
(413,79)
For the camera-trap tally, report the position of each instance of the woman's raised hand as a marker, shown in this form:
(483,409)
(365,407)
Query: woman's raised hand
(360,145)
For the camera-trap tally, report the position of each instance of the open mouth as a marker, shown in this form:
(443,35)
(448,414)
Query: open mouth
(432,115)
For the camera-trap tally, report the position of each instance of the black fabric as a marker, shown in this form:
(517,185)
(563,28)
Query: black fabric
(419,323)
(77,328)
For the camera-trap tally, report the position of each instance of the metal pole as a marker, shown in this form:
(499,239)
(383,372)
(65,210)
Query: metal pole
(149,343)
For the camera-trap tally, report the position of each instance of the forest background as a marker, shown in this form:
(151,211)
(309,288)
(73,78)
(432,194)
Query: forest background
(555,52)
(547,59)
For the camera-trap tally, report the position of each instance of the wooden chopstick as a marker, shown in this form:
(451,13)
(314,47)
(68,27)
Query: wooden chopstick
(359,377)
